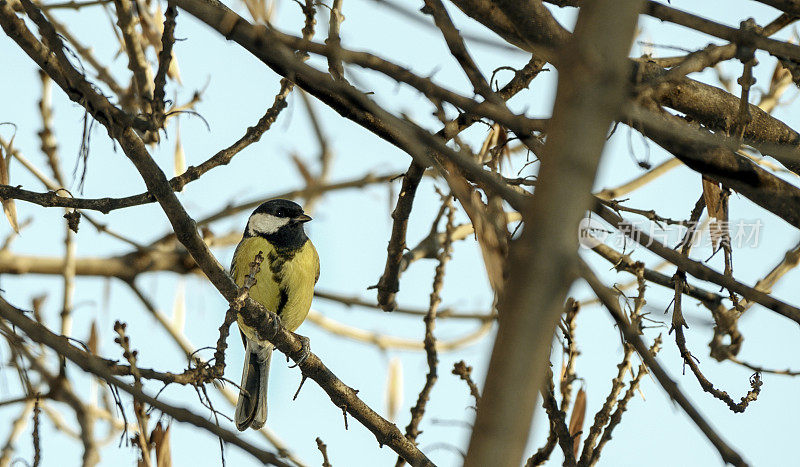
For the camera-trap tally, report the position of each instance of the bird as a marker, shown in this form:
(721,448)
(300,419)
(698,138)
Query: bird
(284,285)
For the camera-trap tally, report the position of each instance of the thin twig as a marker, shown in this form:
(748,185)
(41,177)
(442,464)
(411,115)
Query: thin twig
(603,415)
(98,367)
(137,62)
(698,269)
(418,411)
(17,426)
(37,451)
(609,299)
(323,449)
(164,60)
(557,422)
(622,404)
(138,407)
(464,371)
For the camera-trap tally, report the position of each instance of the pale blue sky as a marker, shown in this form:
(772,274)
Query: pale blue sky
(351,229)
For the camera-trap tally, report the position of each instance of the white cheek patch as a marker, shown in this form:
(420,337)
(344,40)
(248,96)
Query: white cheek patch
(261,223)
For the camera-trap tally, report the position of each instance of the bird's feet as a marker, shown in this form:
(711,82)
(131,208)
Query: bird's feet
(305,350)
(274,326)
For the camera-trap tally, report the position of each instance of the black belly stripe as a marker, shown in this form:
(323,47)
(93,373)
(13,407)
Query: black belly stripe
(275,262)
(276,268)
(277,259)
(282,300)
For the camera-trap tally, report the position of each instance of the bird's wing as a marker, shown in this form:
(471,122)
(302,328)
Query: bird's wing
(266,290)
(316,261)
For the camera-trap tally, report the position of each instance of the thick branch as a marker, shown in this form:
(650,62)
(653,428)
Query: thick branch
(541,262)
(707,104)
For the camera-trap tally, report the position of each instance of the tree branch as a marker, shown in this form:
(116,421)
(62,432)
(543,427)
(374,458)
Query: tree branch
(541,261)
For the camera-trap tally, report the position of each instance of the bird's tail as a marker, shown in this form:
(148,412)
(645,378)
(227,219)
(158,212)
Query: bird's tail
(251,408)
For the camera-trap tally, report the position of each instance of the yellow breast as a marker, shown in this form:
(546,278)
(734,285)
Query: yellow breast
(285,283)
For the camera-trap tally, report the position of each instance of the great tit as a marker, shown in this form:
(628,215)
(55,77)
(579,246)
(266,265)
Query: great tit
(284,285)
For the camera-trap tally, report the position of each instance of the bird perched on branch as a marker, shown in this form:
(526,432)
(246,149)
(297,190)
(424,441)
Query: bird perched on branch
(284,285)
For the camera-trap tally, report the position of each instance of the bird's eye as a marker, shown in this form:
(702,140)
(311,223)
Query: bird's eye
(280,213)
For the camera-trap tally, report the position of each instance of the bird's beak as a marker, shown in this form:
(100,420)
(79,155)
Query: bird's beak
(302,218)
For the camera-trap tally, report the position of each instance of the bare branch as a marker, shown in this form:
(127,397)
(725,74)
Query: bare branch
(609,300)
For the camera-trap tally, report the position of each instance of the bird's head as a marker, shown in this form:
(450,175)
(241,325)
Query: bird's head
(277,218)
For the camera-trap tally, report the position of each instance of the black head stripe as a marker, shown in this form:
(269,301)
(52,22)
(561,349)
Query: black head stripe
(289,237)
(280,208)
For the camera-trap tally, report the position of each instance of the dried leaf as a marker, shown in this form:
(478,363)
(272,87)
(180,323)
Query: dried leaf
(160,438)
(158,21)
(779,76)
(779,83)
(717,207)
(505,152)
(36,303)
(151,27)
(488,143)
(489,222)
(174,71)
(179,308)
(576,420)
(9,208)
(179,156)
(394,388)
(93,341)
(259,10)
(793,67)
(252,8)
(270,9)
(493,247)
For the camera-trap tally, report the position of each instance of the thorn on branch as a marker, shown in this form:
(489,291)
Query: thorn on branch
(344,414)
(302,381)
